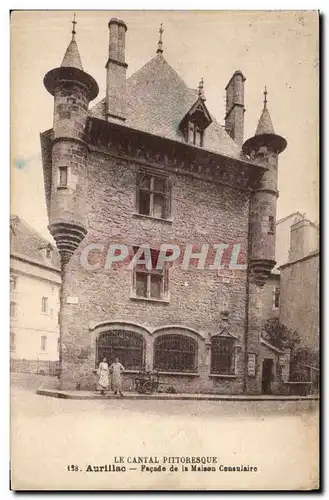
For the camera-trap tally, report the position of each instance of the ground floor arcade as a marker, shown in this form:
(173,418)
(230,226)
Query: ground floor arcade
(185,360)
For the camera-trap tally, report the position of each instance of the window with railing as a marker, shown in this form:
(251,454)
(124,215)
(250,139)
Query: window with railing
(222,355)
(175,353)
(128,346)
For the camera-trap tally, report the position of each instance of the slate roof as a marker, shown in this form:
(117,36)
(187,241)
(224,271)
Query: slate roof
(157,101)
(72,57)
(28,243)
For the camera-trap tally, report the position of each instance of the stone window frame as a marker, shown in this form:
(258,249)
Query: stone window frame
(97,329)
(43,343)
(45,305)
(166,193)
(223,336)
(13,282)
(192,348)
(271,224)
(276,297)
(191,131)
(149,273)
(60,169)
(13,309)
(102,349)
(195,123)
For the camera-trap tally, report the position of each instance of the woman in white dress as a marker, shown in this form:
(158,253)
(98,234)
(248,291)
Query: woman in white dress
(116,369)
(103,373)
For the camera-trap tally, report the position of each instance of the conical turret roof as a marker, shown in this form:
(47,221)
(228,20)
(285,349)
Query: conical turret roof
(264,135)
(72,57)
(265,125)
(71,70)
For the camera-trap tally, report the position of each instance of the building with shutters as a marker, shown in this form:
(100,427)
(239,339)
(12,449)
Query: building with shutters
(35,282)
(149,164)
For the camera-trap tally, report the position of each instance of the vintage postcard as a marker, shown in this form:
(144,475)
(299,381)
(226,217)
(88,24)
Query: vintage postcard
(164,291)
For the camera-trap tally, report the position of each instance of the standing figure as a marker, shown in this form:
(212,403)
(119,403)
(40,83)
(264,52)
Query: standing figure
(116,369)
(103,373)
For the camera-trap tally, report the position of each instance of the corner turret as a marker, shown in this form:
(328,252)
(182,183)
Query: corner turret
(72,89)
(264,148)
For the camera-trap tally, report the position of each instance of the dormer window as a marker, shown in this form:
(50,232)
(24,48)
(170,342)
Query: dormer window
(195,122)
(194,134)
(198,136)
(47,251)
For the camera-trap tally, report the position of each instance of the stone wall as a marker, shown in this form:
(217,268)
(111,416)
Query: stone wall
(299,307)
(202,212)
(269,310)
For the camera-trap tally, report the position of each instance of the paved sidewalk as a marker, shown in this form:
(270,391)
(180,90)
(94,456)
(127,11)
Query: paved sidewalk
(171,397)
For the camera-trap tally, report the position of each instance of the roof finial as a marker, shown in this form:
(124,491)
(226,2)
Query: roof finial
(265,97)
(200,90)
(160,49)
(74,22)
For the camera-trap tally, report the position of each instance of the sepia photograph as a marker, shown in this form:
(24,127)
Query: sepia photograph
(164,250)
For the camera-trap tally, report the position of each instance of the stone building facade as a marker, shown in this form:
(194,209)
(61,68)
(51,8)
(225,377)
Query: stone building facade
(149,165)
(300,283)
(35,283)
(272,296)
(283,235)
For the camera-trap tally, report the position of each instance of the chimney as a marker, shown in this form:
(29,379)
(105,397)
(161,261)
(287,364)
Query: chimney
(116,69)
(234,118)
(304,239)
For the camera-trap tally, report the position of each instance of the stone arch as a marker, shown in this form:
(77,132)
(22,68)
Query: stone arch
(128,341)
(176,348)
(182,329)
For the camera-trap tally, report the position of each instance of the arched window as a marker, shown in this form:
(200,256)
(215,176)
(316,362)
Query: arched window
(175,353)
(126,345)
(223,355)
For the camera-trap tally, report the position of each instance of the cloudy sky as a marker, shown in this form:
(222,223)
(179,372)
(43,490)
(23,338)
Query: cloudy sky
(277,49)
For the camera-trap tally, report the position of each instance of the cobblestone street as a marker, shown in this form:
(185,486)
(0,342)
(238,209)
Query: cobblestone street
(51,434)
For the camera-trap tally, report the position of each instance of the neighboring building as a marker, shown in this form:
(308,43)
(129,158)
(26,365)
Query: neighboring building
(34,296)
(150,164)
(272,287)
(299,276)
(283,237)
